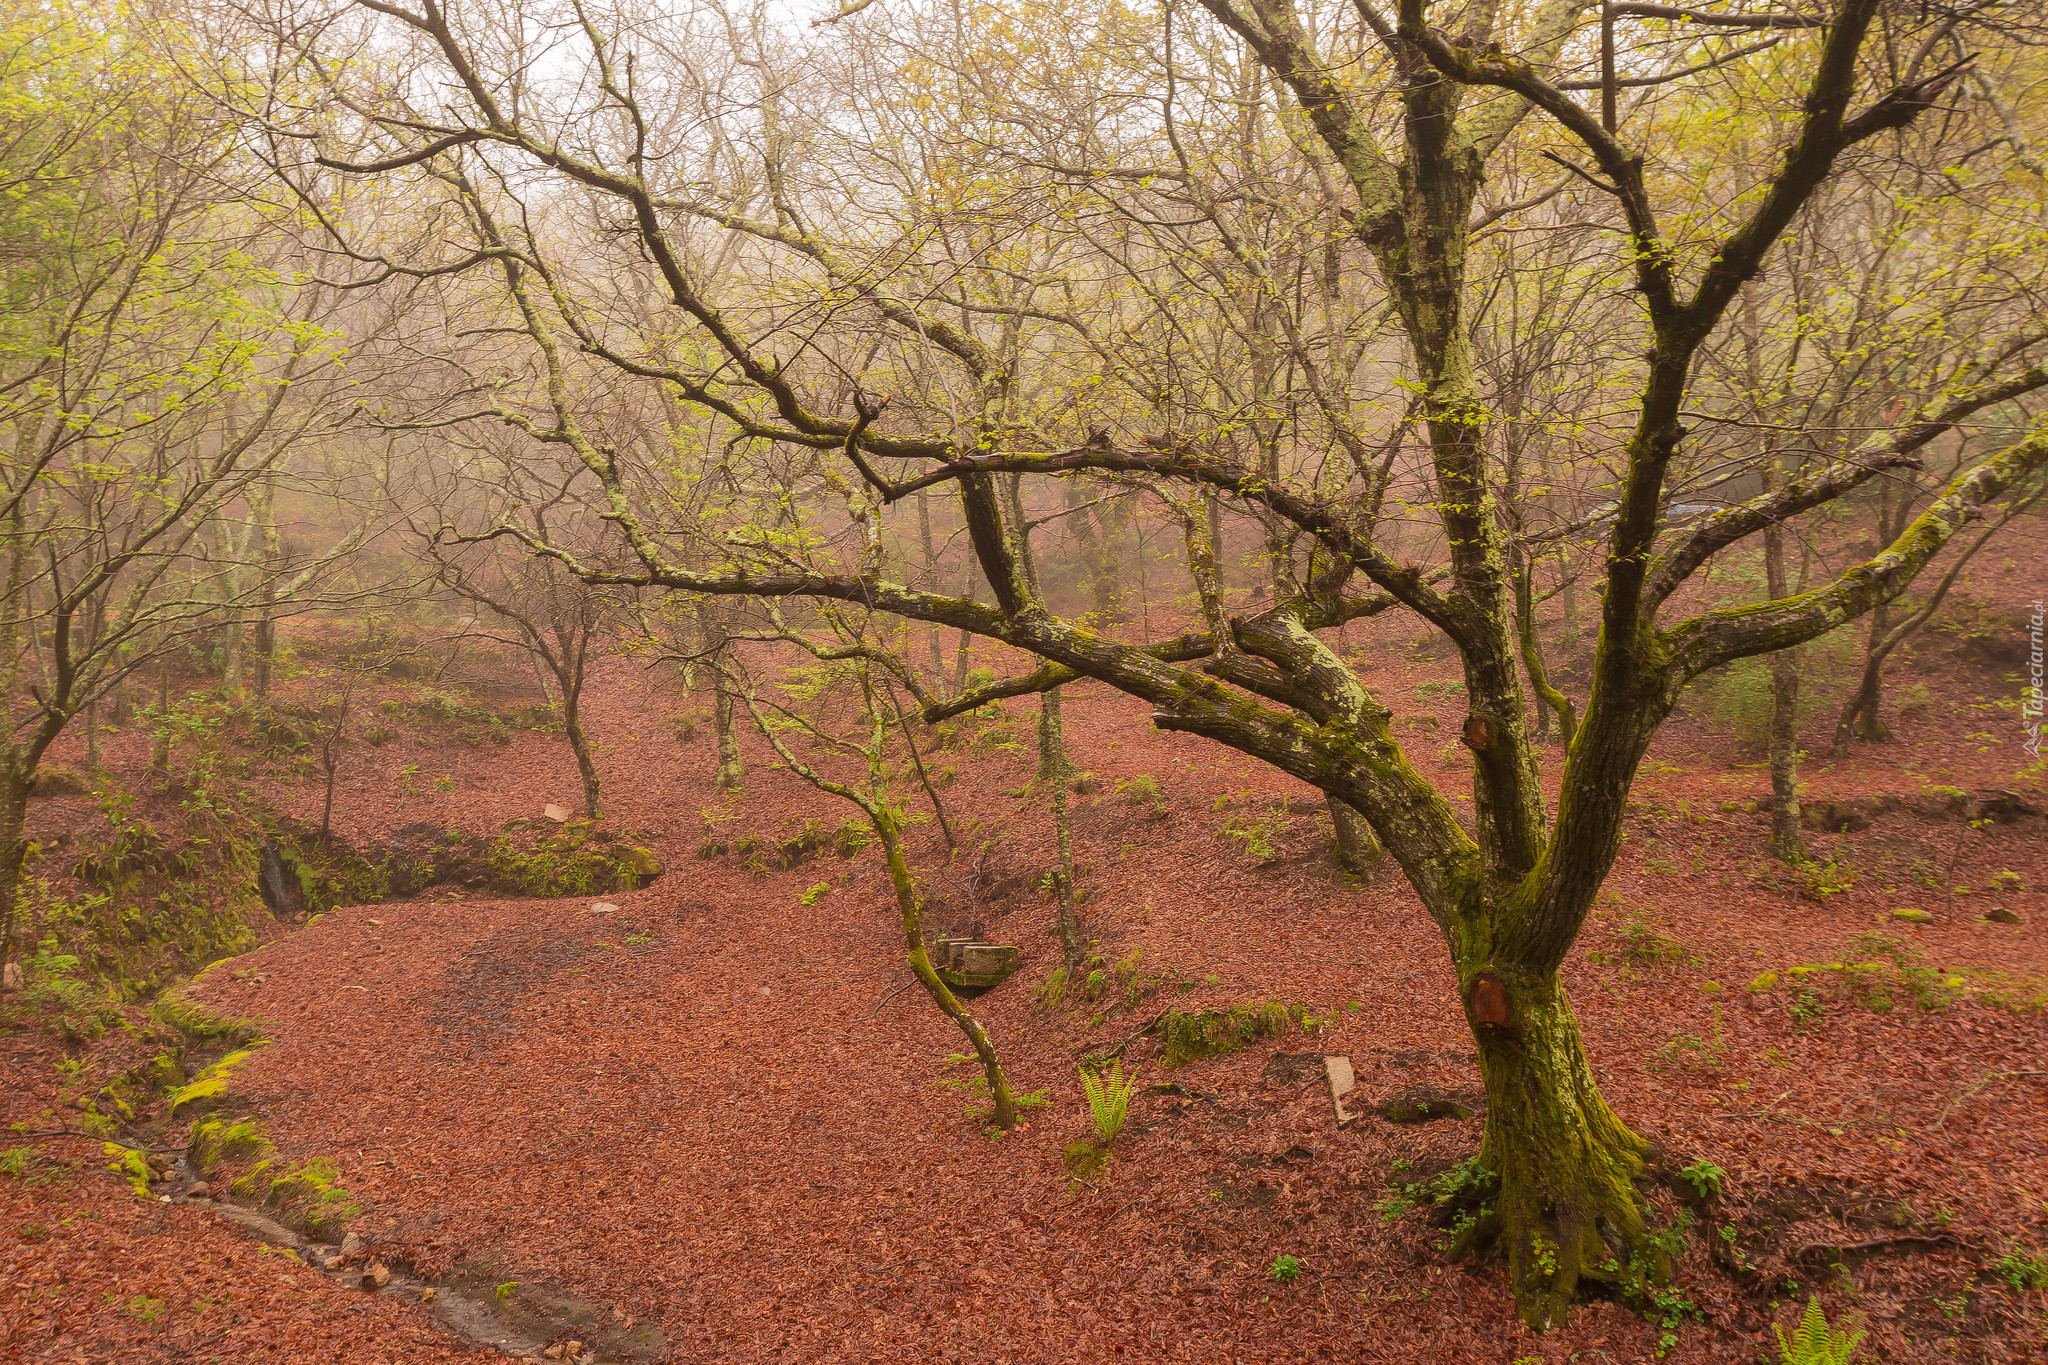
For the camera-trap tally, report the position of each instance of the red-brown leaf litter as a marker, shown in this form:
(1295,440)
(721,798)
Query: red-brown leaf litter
(713,1113)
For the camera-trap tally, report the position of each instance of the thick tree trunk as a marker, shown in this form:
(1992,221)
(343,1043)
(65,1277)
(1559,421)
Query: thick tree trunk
(909,907)
(1566,1209)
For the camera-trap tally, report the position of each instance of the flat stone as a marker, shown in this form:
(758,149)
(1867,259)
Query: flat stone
(376,1275)
(558,814)
(199,1190)
(602,908)
(351,1246)
(1998,914)
(1912,916)
(1342,1081)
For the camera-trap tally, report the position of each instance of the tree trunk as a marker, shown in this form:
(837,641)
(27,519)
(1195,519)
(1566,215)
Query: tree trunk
(160,743)
(1053,770)
(931,584)
(1566,1208)
(15,785)
(572,726)
(729,766)
(263,635)
(910,907)
(1357,847)
(1860,716)
(1786,845)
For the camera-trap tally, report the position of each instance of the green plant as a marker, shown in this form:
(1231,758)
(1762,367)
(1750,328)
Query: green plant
(2022,1271)
(811,896)
(1109,1099)
(1707,1179)
(1139,789)
(1285,1269)
(1258,834)
(1813,1342)
(145,1309)
(504,1291)
(444,783)
(14,1161)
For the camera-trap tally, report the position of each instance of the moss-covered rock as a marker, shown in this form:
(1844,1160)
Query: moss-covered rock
(1190,1035)
(210,1089)
(214,1141)
(307,1198)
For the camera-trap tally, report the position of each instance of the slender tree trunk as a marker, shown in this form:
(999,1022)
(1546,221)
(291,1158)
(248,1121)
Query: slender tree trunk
(1053,770)
(1357,847)
(579,744)
(730,769)
(160,742)
(263,635)
(966,636)
(931,583)
(1787,844)
(909,907)
(15,784)
(1860,714)
(1549,698)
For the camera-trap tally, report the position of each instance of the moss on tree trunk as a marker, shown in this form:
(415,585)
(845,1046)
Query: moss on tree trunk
(1566,1208)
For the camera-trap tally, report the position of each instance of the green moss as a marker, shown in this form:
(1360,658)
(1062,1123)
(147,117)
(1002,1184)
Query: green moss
(199,1022)
(214,1141)
(255,1178)
(130,1165)
(307,1198)
(570,863)
(1190,1035)
(212,1083)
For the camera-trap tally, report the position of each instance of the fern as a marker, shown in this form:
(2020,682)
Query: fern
(1109,1098)
(1813,1342)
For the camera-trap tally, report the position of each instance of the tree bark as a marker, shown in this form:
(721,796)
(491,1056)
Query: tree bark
(730,769)
(909,907)
(15,785)
(579,744)
(1567,1209)
(1787,844)
(1357,847)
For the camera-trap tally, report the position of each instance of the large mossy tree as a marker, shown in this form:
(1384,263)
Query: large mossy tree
(680,306)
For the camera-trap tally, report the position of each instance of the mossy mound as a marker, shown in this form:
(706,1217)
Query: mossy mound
(1190,1035)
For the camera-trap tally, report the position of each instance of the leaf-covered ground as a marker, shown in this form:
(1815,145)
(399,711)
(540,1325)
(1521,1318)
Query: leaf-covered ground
(713,1110)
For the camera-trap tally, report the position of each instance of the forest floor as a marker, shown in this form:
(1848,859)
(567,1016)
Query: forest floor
(705,1121)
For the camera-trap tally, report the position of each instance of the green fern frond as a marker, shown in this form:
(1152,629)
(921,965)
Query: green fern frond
(1109,1099)
(1813,1342)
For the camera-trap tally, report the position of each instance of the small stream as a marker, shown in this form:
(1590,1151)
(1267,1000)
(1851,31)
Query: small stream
(466,1315)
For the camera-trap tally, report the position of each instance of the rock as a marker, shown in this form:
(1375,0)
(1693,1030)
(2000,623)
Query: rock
(602,908)
(11,980)
(1998,914)
(1911,915)
(427,1295)
(558,814)
(332,1263)
(644,864)
(199,1189)
(351,1246)
(277,882)
(1342,1080)
(376,1275)
(974,966)
(1422,1105)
